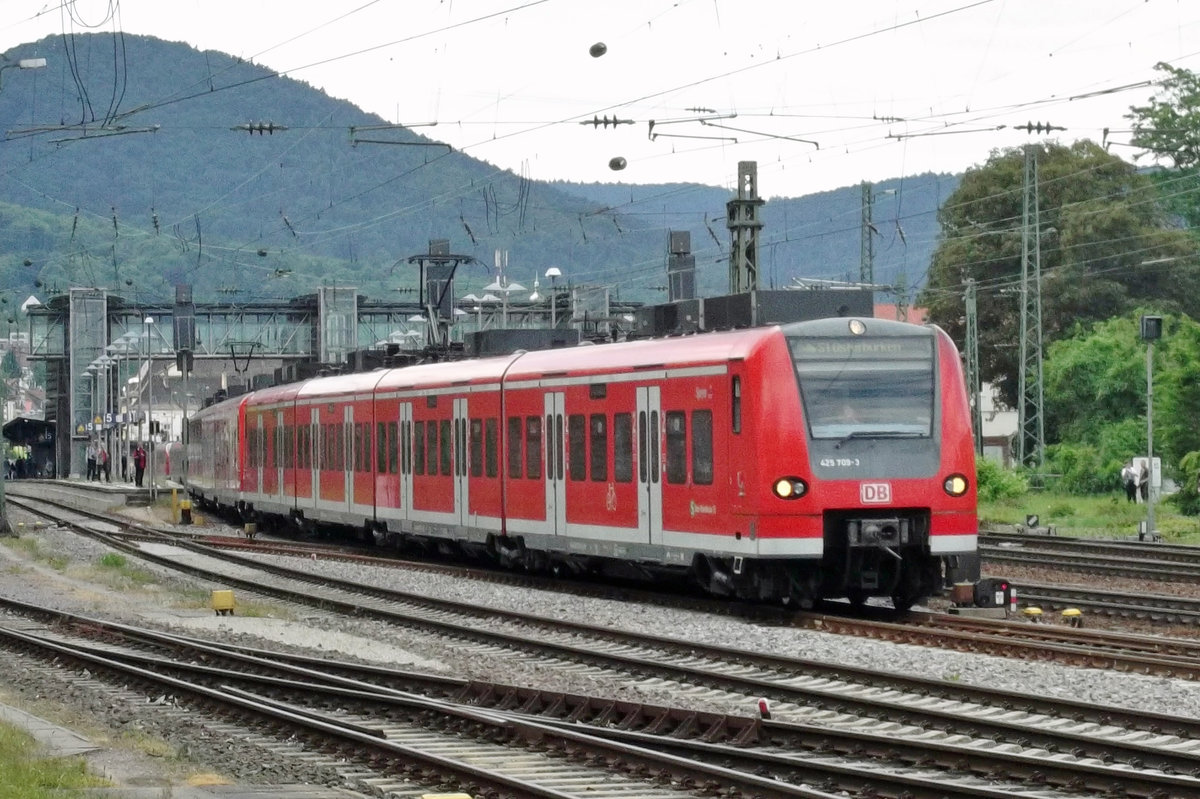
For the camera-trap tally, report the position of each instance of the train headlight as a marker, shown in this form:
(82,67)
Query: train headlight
(956,485)
(790,488)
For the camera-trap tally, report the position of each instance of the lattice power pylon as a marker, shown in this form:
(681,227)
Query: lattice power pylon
(1031,431)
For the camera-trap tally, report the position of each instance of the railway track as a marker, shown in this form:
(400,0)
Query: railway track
(342,708)
(1108,650)
(805,693)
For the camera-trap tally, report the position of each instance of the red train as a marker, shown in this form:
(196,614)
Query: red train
(830,458)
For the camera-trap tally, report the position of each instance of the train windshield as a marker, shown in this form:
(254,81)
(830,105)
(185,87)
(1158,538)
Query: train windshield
(866,387)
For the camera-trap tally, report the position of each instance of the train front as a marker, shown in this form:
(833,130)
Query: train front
(891,463)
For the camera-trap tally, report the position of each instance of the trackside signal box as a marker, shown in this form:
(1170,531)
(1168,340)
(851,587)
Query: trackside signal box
(995,592)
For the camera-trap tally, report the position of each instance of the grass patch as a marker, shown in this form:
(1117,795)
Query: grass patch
(32,548)
(25,774)
(1090,516)
(117,571)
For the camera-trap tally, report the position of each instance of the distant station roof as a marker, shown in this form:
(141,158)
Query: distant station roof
(25,431)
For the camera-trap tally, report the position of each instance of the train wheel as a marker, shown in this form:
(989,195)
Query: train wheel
(857,597)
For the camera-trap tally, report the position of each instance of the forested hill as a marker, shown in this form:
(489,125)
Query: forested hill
(135,163)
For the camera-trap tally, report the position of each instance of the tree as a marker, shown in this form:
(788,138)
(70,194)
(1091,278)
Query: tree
(1105,245)
(9,368)
(1095,393)
(1169,129)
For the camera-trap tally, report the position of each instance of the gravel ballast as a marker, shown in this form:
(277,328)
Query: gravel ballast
(177,603)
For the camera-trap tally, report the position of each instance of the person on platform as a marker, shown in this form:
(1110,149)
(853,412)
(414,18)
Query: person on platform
(91,461)
(102,464)
(1144,483)
(139,464)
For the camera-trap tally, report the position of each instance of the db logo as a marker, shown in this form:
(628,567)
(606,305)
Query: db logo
(875,493)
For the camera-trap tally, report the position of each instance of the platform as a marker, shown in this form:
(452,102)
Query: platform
(133,494)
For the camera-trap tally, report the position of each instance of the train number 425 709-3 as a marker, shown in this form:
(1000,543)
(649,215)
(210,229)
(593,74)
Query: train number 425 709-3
(843,463)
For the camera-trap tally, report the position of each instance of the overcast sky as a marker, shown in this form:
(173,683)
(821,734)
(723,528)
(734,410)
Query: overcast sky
(819,94)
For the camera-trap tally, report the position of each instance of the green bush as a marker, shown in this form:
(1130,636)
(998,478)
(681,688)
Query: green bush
(996,483)
(1188,498)
(1082,469)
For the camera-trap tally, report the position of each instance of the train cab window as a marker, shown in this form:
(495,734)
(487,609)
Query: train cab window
(576,438)
(533,447)
(623,447)
(702,448)
(431,447)
(514,446)
(477,448)
(857,387)
(418,448)
(676,447)
(491,446)
(444,445)
(598,427)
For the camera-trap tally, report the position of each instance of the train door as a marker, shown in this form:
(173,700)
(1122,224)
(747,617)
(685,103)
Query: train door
(316,451)
(258,443)
(556,477)
(462,474)
(406,472)
(281,455)
(347,457)
(649,448)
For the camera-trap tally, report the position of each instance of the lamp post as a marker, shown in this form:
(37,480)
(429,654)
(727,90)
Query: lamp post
(554,273)
(1151,330)
(502,285)
(147,322)
(24,63)
(123,349)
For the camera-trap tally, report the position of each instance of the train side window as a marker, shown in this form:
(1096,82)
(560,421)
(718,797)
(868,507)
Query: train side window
(365,457)
(444,445)
(393,428)
(599,447)
(418,448)
(358,447)
(558,446)
(576,435)
(343,444)
(491,446)
(325,437)
(460,446)
(655,448)
(431,447)
(702,448)
(623,447)
(676,422)
(736,416)
(533,447)
(381,447)
(477,448)
(643,455)
(514,447)
(406,448)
